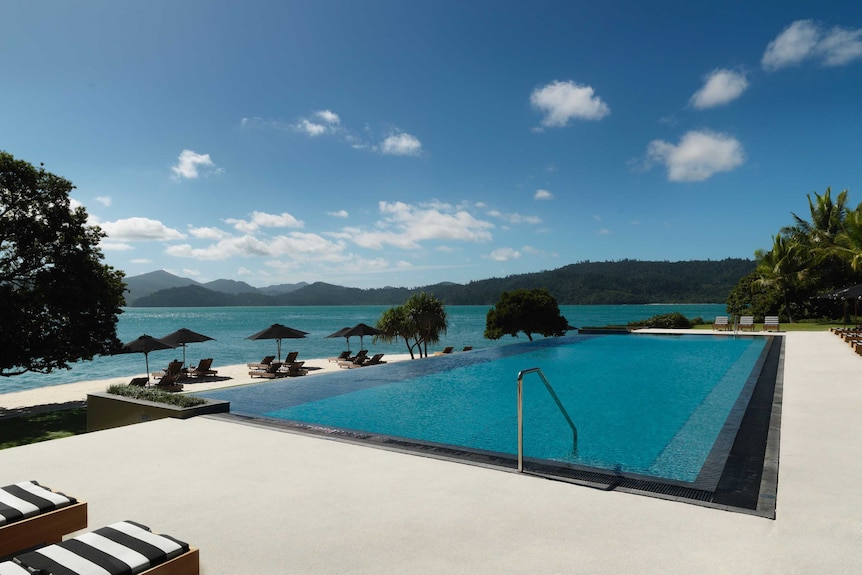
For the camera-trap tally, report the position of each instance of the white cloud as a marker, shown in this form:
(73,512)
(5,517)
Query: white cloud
(405,225)
(806,39)
(296,246)
(328,116)
(310,128)
(543,195)
(338,214)
(401,144)
(104,200)
(263,220)
(140,229)
(504,254)
(720,87)
(604,231)
(564,101)
(190,164)
(515,218)
(141,261)
(840,46)
(115,246)
(324,122)
(206,233)
(698,156)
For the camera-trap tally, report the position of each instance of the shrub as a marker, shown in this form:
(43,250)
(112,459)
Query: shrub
(666,320)
(157,395)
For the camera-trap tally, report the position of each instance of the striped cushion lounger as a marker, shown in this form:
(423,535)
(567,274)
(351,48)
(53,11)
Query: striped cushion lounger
(32,515)
(124,548)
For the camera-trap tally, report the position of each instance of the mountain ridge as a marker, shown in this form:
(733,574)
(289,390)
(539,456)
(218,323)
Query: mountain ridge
(610,283)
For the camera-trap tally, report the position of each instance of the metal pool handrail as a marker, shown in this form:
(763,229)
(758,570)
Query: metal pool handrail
(550,389)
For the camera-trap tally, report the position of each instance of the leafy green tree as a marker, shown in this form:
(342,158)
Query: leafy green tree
(58,302)
(752,298)
(428,314)
(420,321)
(525,310)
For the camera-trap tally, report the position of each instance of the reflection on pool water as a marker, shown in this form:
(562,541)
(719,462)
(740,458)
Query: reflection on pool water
(644,404)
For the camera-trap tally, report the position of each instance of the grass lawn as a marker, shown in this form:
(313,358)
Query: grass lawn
(15,431)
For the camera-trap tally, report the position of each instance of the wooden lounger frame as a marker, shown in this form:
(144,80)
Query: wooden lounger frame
(186,564)
(43,529)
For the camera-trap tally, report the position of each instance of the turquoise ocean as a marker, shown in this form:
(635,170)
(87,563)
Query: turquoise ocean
(230,326)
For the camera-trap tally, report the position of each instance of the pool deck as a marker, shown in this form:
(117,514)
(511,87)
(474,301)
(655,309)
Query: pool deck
(256,500)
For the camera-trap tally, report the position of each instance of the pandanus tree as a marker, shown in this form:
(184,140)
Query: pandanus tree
(420,321)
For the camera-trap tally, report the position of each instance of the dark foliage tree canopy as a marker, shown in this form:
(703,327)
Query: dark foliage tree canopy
(58,302)
(420,321)
(525,310)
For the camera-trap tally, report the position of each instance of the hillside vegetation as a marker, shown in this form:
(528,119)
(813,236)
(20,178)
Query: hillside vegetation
(620,282)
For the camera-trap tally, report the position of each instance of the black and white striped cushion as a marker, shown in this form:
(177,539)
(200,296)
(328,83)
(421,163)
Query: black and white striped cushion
(124,548)
(28,498)
(10,568)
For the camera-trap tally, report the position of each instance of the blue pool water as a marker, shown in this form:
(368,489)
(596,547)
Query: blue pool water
(643,404)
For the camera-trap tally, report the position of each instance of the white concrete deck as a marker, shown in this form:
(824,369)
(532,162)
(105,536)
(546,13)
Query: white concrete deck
(261,501)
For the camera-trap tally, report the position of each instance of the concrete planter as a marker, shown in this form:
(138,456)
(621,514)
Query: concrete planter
(105,410)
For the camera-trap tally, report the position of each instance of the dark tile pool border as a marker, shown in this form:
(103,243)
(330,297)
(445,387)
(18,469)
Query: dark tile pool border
(748,483)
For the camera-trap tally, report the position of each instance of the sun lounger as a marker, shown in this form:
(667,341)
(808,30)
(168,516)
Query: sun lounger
(170,382)
(467,348)
(770,323)
(376,359)
(271,372)
(721,323)
(123,548)
(355,361)
(342,357)
(746,322)
(32,515)
(203,368)
(263,364)
(293,369)
(448,349)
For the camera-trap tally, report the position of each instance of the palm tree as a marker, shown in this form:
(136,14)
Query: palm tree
(847,244)
(827,220)
(784,267)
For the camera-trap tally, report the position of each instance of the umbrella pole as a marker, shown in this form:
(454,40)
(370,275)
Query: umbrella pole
(279,349)
(147,362)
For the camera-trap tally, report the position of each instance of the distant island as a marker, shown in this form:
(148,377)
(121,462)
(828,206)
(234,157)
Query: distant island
(583,283)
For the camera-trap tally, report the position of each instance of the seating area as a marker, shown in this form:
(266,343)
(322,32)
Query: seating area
(851,335)
(746,323)
(262,364)
(362,361)
(270,369)
(34,519)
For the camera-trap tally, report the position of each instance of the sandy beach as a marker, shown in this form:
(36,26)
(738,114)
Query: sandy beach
(72,394)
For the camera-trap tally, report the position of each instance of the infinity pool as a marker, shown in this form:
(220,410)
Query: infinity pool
(653,405)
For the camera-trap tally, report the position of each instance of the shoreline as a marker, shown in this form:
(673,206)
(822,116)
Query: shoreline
(70,395)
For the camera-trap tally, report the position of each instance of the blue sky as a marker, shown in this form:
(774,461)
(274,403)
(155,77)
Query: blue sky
(375,143)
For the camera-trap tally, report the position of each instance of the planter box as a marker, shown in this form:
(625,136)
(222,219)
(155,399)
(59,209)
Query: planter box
(105,410)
